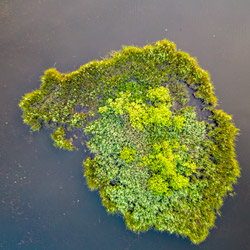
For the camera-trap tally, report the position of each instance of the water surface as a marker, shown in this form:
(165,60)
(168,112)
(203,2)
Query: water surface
(44,200)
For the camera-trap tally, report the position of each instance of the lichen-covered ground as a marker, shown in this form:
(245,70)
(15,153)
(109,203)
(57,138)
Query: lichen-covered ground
(157,160)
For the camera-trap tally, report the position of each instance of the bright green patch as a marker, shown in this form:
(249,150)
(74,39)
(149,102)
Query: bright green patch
(128,154)
(158,161)
(59,139)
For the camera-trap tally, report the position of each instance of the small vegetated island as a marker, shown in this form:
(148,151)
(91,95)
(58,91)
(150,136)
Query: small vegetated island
(163,155)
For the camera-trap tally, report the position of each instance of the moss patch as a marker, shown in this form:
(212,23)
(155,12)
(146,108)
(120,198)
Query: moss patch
(158,162)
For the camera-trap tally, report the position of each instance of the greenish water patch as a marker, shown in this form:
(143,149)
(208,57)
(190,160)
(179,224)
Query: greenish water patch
(156,162)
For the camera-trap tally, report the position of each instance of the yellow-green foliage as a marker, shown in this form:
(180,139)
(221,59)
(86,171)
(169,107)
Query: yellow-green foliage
(163,162)
(160,94)
(155,161)
(142,115)
(128,154)
(59,139)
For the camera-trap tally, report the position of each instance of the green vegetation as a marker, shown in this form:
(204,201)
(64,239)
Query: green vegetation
(156,161)
(59,139)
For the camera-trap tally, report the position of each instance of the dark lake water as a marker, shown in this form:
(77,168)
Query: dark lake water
(44,200)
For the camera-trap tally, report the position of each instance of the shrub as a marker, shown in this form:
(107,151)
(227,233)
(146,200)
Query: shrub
(157,161)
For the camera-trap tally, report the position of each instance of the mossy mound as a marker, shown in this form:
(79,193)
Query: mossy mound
(159,161)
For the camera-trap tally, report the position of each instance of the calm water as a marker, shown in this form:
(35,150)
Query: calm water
(44,200)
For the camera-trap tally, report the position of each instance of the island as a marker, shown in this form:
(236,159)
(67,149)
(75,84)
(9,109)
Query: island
(162,155)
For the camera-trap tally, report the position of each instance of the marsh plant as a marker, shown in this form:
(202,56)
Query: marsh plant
(158,160)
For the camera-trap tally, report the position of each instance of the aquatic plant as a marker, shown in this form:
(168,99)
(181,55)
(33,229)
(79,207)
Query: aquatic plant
(158,160)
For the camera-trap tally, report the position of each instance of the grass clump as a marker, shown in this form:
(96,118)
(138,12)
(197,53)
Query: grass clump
(156,161)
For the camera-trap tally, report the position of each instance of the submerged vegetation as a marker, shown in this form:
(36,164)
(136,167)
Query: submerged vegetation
(158,160)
